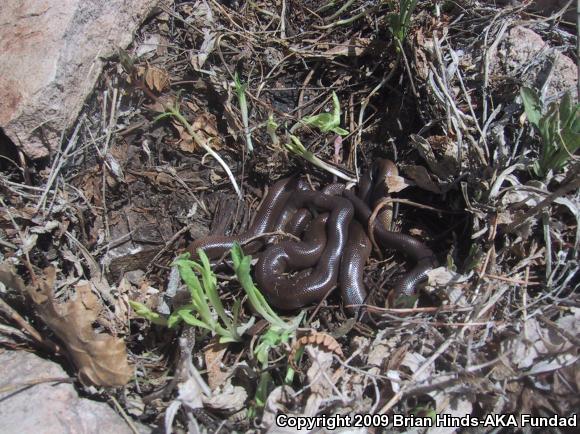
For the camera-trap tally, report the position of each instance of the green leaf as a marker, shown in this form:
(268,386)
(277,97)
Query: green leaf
(532,105)
(263,388)
(144,312)
(198,296)
(227,339)
(256,298)
(173,320)
(192,320)
(326,122)
(210,286)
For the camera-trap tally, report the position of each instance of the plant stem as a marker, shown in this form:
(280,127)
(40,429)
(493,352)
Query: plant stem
(199,140)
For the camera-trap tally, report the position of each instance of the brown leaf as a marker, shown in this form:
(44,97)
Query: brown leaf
(421,176)
(320,340)
(156,78)
(352,48)
(186,142)
(205,125)
(214,354)
(101,359)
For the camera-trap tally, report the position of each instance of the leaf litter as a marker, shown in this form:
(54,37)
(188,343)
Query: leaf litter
(101,223)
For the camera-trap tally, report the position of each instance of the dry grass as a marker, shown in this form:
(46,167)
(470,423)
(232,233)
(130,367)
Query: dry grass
(496,330)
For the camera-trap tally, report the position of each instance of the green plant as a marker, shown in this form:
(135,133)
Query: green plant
(206,309)
(399,23)
(298,148)
(279,331)
(326,122)
(240,89)
(559,127)
(271,127)
(172,110)
(207,312)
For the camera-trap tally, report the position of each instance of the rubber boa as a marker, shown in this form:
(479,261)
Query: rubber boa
(408,245)
(291,292)
(373,188)
(352,288)
(265,219)
(328,254)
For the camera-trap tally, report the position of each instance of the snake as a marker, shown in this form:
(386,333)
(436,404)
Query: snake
(332,246)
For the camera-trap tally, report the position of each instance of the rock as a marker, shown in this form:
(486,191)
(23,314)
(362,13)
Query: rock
(30,406)
(524,54)
(50,59)
(543,7)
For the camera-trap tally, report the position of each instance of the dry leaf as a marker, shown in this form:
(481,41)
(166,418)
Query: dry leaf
(320,379)
(440,154)
(396,183)
(207,47)
(101,359)
(214,354)
(320,340)
(156,78)
(205,125)
(353,48)
(450,405)
(422,178)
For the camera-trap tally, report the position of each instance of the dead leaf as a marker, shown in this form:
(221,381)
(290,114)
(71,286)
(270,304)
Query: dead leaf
(319,379)
(156,78)
(214,354)
(538,349)
(164,179)
(101,359)
(440,154)
(353,48)
(395,183)
(442,277)
(228,398)
(205,125)
(450,405)
(320,340)
(207,47)
(422,178)
(149,45)
(279,401)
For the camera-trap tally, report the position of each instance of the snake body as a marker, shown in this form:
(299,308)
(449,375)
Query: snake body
(334,247)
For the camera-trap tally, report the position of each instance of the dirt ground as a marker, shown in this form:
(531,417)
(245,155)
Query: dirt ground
(483,182)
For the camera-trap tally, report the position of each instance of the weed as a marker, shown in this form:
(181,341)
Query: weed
(206,309)
(559,127)
(399,23)
(325,122)
(173,111)
(240,89)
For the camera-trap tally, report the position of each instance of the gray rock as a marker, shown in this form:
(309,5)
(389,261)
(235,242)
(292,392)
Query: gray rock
(524,54)
(30,406)
(50,59)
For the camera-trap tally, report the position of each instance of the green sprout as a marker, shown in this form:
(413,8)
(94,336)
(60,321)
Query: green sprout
(299,149)
(173,111)
(206,310)
(279,332)
(326,122)
(399,23)
(257,300)
(144,312)
(240,89)
(559,127)
(271,127)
